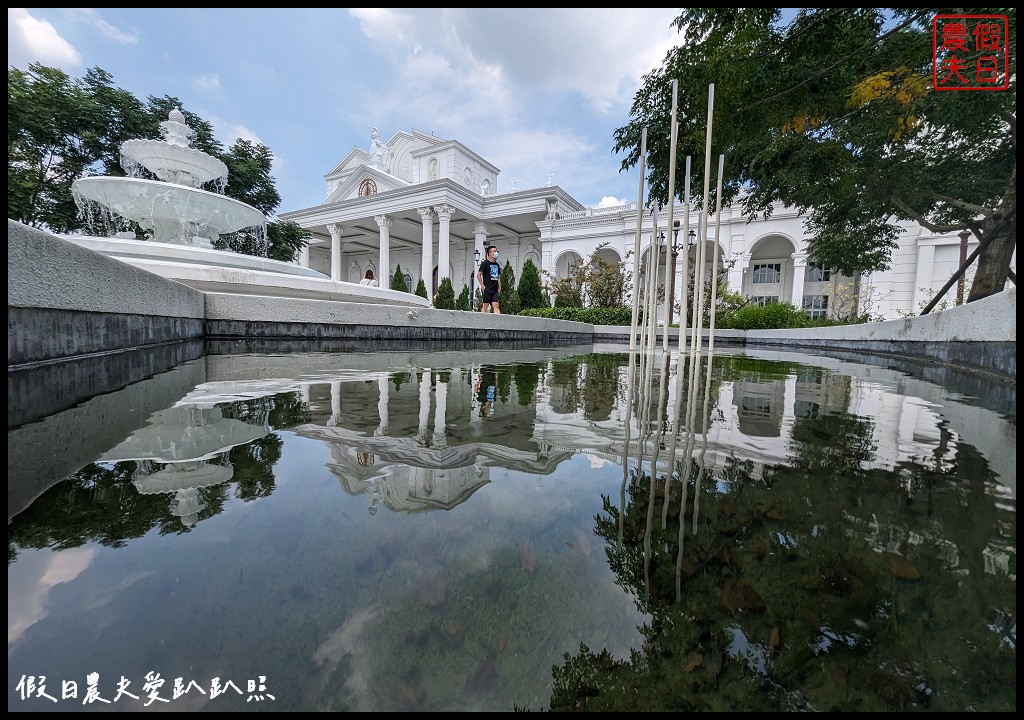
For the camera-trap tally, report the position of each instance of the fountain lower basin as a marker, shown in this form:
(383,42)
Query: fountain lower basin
(164,208)
(223,271)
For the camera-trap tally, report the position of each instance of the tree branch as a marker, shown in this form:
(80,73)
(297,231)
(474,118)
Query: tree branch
(976,209)
(834,65)
(921,219)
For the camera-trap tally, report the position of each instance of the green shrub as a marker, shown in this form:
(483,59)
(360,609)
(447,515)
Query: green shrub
(509,302)
(398,280)
(462,303)
(445,299)
(773,316)
(531,293)
(594,316)
(421,288)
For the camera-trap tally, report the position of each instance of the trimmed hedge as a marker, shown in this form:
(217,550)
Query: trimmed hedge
(594,316)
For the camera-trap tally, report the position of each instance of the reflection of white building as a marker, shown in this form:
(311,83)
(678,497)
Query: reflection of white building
(430,203)
(430,425)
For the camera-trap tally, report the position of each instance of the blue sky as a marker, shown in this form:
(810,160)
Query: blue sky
(532,91)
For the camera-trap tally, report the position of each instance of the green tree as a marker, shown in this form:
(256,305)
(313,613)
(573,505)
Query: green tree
(834,113)
(462,303)
(286,238)
(509,295)
(531,292)
(594,282)
(398,280)
(605,282)
(445,295)
(60,129)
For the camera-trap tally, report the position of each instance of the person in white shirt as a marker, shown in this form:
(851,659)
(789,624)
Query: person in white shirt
(369,279)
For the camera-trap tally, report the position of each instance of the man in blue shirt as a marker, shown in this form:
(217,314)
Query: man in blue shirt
(489,277)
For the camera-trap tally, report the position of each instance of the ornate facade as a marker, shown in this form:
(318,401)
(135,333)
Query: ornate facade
(425,205)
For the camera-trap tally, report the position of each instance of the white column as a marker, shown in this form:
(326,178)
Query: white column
(382,407)
(440,439)
(480,239)
(335,230)
(384,261)
(304,256)
(427,261)
(923,276)
(799,271)
(421,430)
(335,403)
(444,218)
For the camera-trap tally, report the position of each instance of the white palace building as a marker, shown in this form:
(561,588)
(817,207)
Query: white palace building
(426,204)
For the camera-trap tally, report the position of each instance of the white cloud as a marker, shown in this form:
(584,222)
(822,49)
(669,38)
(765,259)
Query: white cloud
(208,82)
(599,53)
(108,31)
(30,40)
(609,201)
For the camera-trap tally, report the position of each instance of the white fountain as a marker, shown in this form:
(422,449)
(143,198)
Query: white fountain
(183,221)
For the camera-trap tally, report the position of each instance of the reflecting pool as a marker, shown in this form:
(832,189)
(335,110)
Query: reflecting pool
(471,529)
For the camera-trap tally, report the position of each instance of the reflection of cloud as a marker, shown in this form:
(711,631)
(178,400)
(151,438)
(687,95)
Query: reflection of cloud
(130,580)
(27,596)
(596,462)
(346,641)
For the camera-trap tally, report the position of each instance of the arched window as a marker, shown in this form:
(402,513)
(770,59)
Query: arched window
(367,187)
(408,282)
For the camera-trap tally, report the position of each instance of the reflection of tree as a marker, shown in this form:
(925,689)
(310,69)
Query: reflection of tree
(95,504)
(527,376)
(808,590)
(101,504)
(833,441)
(254,462)
(602,385)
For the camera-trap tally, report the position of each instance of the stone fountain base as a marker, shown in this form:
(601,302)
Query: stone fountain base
(228,272)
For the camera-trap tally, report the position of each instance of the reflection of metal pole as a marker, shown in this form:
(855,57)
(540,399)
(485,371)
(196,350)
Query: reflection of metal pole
(672,281)
(964,235)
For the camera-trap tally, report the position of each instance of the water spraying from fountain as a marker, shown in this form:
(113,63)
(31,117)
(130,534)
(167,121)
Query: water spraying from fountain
(174,207)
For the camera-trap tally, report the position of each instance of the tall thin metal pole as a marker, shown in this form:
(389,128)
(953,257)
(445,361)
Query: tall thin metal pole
(636,242)
(670,267)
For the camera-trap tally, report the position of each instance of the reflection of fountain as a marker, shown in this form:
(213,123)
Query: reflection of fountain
(185,439)
(184,479)
(174,208)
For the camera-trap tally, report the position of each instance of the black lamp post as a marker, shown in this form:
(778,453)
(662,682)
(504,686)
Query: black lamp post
(472,279)
(672,279)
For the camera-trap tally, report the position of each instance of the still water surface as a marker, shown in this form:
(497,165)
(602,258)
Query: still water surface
(453,531)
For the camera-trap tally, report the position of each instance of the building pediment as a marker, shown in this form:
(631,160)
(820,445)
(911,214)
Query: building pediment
(365,181)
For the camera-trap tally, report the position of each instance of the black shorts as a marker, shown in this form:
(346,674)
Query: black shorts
(491,296)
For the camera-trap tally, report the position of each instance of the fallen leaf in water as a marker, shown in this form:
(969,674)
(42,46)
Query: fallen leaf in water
(502,642)
(483,675)
(432,591)
(903,568)
(741,595)
(408,697)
